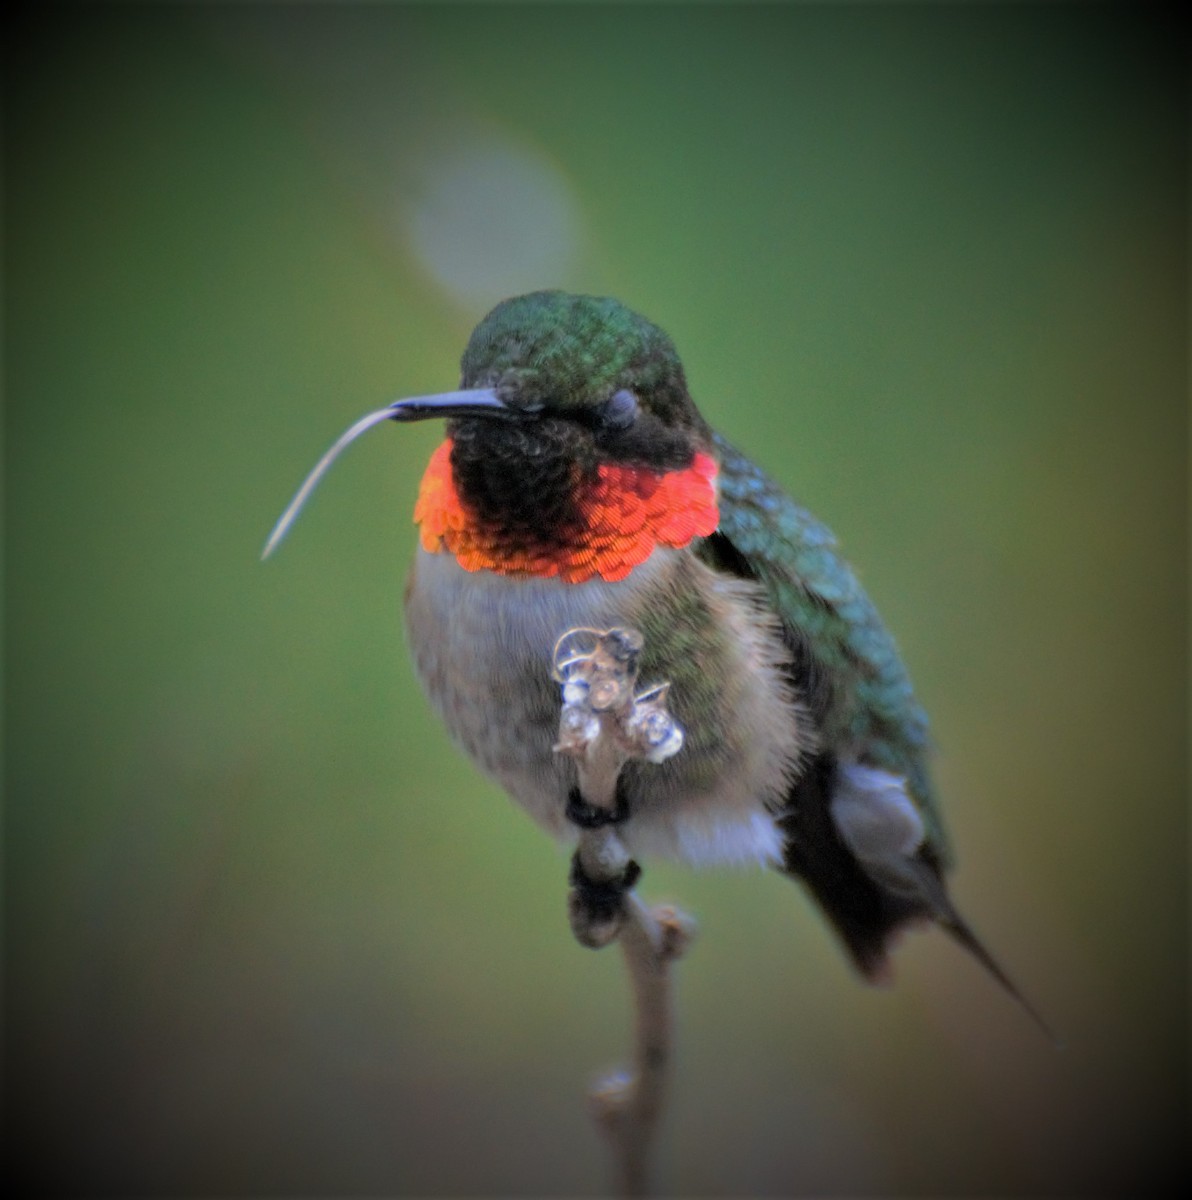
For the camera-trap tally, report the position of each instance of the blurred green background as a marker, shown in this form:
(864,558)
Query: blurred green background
(266,932)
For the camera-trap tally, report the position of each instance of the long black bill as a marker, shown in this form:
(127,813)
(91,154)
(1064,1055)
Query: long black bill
(471,402)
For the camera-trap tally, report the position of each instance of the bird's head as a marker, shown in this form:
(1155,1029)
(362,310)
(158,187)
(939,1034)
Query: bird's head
(565,401)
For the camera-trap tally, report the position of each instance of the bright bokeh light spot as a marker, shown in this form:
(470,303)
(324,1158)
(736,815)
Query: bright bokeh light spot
(491,218)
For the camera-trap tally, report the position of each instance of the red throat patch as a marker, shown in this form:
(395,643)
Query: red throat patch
(627,511)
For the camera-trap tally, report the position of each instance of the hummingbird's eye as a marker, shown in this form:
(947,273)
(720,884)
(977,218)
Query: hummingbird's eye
(621,409)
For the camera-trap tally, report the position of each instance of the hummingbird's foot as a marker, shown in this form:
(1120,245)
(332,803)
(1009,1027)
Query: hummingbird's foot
(597,905)
(595,816)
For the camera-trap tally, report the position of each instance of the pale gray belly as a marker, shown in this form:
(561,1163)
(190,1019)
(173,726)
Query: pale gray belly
(482,646)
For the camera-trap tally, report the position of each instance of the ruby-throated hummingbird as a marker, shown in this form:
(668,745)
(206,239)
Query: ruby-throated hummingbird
(579,486)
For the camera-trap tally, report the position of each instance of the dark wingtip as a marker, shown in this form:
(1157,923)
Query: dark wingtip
(964,936)
(872,957)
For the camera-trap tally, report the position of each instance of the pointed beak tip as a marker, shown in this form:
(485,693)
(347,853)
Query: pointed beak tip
(400,410)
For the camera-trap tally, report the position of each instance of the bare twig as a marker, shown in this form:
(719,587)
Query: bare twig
(603,725)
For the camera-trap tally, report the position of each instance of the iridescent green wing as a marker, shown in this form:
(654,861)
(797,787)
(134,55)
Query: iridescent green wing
(846,663)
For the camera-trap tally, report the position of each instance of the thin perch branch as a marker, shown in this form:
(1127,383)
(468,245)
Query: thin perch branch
(603,725)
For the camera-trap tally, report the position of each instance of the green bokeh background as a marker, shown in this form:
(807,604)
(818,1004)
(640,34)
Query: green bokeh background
(266,931)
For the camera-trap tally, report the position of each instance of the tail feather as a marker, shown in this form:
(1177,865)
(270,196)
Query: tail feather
(867,912)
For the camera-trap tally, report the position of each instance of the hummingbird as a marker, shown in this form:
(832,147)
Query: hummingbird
(579,486)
